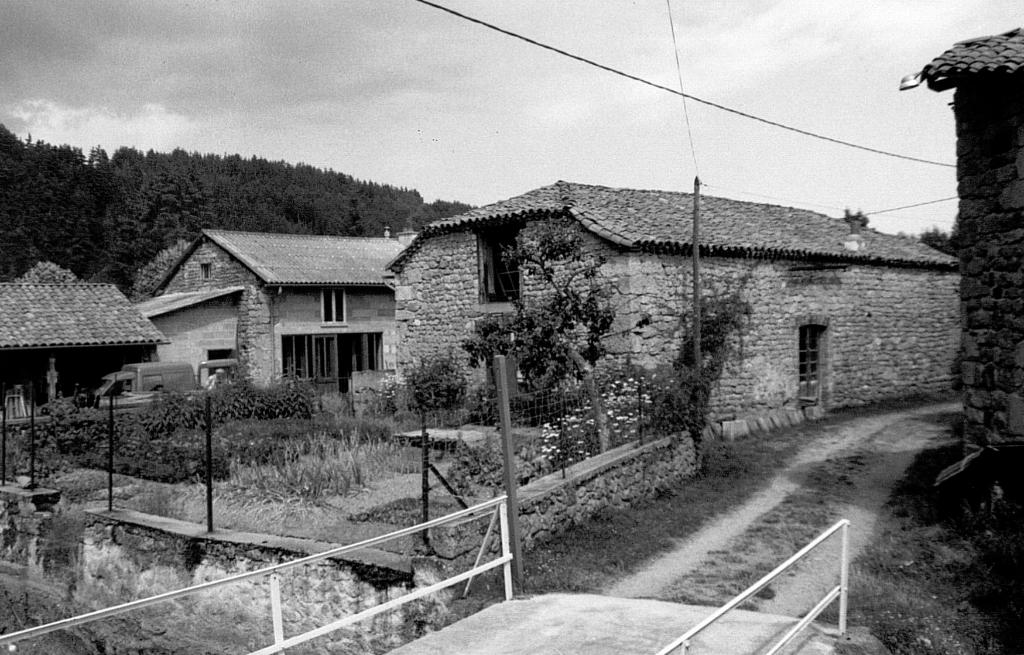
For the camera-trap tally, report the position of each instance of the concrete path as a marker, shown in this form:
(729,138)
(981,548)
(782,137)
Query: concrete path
(900,432)
(564,624)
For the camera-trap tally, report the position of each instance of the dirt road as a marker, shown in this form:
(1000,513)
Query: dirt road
(847,471)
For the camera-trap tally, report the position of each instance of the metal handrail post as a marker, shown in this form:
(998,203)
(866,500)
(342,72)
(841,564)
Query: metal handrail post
(844,578)
(275,608)
(505,548)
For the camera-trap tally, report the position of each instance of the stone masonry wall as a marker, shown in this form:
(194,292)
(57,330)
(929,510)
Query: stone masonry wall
(990,171)
(889,331)
(127,553)
(255,306)
(617,479)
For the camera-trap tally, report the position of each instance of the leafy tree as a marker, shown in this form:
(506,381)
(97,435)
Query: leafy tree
(152,273)
(48,273)
(941,240)
(558,328)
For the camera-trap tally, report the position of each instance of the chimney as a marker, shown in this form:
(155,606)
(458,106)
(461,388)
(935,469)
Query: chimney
(857,221)
(387,231)
(405,237)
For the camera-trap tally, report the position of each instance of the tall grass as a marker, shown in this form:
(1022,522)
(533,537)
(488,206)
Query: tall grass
(317,467)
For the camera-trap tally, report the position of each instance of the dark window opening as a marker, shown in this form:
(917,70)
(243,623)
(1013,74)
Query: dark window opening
(332,305)
(206,271)
(222,353)
(331,359)
(499,273)
(810,361)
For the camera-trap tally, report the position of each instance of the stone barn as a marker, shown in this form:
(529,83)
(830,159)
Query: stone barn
(285,305)
(987,75)
(841,315)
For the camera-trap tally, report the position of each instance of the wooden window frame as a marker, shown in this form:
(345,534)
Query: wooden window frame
(205,271)
(500,278)
(810,361)
(329,301)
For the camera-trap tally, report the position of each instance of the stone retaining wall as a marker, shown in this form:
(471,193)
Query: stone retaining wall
(550,505)
(130,554)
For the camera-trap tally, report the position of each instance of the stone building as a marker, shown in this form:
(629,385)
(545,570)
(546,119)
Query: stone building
(841,315)
(988,77)
(61,338)
(307,306)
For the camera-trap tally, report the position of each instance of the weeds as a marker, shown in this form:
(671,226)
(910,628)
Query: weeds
(313,468)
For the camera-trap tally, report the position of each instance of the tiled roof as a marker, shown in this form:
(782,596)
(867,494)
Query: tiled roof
(170,302)
(41,315)
(309,259)
(1002,53)
(663,221)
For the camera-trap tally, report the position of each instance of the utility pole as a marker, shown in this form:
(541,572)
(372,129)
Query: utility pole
(696,276)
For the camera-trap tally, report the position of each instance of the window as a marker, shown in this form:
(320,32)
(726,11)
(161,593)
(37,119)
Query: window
(332,305)
(206,271)
(499,273)
(330,359)
(810,361)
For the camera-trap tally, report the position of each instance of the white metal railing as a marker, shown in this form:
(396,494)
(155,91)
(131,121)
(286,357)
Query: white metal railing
(496,507)
(839,591)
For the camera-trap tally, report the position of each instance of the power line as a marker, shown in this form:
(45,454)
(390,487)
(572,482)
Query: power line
(679,75)
(916,204)
(776,198)
(655,85)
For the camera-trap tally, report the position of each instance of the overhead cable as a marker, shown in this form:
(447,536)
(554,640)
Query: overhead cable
(655,85)
(916,204)
(679,75)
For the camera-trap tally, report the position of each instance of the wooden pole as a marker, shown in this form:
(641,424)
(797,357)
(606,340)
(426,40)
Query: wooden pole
(32,434)
(3,445)
(425,474)
(209,464)
(501,382)
(696,276)
(110,453)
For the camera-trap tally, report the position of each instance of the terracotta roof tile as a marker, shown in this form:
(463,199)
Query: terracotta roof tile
(40,315)
(310,259)
(663,221)
(1002,54)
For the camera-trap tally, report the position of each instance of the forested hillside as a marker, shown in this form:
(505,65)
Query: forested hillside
(104,217)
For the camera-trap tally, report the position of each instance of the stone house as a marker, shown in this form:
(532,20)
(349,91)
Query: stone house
(61,338)
(305,306)
(987,75)
(841,315)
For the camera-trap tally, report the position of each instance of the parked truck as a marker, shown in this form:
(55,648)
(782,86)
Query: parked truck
(142,383)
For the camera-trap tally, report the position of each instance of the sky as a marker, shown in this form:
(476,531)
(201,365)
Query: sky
(401,93)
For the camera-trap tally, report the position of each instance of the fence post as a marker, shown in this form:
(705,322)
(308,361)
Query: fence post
(110,454)
(425,475)
(844,578)
(505,412)
(209,465)
(3,444)
(640,408)
(32,435)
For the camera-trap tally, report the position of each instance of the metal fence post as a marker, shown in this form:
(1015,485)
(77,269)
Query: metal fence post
(425,475)
(3,443)
(505,411)
(275,607)
(110,454)
(32,435)
(844,578)
(640,409)
(508,566)
(209,465)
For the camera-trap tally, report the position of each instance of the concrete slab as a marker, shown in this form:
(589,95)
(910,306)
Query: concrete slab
(559,624)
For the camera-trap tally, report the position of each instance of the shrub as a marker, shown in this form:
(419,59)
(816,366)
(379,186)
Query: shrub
(436,384)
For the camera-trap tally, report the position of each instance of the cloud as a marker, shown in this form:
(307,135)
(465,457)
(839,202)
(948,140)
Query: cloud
(153,127)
